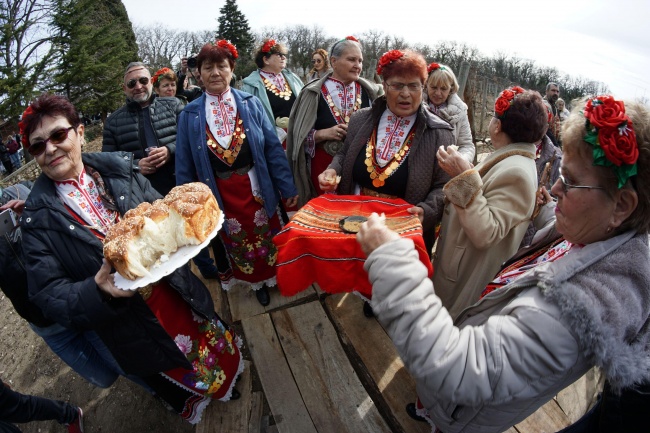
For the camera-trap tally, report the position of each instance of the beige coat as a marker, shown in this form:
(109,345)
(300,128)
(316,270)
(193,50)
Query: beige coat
(483,224)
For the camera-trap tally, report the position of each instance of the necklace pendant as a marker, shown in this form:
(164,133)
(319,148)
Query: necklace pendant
(378,183)
(370,169)
(227,154)
(347,119)
(368,161)
(373,175)
(286,98)
(242,136)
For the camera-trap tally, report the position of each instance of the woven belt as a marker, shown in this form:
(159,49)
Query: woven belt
(373,193)
(227,174)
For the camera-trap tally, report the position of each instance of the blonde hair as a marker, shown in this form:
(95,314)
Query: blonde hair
(445,75)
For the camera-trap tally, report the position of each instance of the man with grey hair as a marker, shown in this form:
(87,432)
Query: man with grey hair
(146,126)
(551,97)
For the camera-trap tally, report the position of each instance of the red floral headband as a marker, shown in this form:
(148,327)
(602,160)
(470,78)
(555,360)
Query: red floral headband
(505,100)
(268,45)
(388,58)
(611,133)
(22,126)
(222,43)
(434,67)
(156,76)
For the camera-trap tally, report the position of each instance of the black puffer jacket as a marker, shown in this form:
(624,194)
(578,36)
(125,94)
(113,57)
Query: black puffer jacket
(62,258)
(124,130)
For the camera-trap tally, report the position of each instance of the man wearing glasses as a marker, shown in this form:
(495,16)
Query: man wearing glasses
(146,126)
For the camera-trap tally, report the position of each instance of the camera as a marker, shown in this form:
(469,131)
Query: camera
(191,62)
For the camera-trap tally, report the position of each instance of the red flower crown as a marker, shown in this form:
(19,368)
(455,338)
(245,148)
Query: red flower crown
(268,45)
(611,133)
(22,126)
(434,67)
(388,58)
(157,75)
(227,45)
(351,38)
(505,100)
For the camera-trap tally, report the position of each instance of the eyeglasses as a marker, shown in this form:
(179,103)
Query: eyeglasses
(57,137)
(313,62)
(281,55)
(398,87)
(567,186)
(142,80)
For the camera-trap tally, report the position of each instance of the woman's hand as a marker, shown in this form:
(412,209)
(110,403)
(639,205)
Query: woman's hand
(337,132)
(105,281)
(327,180)
(374,233)
(543,196)
(18,206)
(451,161)
(418,212)
(291,201)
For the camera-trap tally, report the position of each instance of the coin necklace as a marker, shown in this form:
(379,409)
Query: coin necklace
(380,174)
(284,94)
(229,154)
(341,115)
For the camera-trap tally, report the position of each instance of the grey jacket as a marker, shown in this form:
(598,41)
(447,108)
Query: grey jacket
(456,114)
(512,351)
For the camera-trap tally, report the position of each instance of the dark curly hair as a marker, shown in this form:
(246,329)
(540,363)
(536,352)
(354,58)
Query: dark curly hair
(526,120)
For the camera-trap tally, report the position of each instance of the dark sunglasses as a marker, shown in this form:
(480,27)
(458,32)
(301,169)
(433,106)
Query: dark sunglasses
(131,83)
(57,137)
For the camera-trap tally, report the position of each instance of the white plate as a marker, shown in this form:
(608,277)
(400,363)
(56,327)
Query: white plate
(175,261)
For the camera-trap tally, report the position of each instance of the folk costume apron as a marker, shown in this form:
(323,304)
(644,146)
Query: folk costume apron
(211,347)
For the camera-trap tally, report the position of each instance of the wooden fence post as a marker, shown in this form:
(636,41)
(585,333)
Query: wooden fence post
(462,78)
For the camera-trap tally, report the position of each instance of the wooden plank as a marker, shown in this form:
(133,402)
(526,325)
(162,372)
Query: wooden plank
(257,408)
(579,397)
(330,388)
(233,415)
(376,352)
(281,391)
(548,418)
(218,296)
(244,304)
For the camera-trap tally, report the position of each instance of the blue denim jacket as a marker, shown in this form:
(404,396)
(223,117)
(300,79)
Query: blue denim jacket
(271,165)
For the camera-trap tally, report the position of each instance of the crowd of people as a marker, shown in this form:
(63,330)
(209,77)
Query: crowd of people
(540,250)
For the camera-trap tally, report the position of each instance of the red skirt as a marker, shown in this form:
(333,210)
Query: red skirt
(247,233)
(211,347)
(319,164)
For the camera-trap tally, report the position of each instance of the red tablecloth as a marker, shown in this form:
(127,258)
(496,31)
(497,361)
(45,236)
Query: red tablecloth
(313,248)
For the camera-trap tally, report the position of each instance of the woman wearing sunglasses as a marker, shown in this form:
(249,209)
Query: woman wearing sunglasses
(152,333)
(583,303)
(273,84)
(320,65)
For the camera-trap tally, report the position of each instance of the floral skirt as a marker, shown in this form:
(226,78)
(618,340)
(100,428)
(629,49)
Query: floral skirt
(211,347)
(247,234)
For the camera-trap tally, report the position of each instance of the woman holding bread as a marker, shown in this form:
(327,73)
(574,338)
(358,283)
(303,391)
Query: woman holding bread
(166,333)
(226,140)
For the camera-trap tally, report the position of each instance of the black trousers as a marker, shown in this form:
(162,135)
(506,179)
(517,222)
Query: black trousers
(624,413)
(17,407)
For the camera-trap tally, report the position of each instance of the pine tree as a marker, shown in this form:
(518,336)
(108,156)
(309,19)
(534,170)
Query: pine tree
(94,42)
(234,27)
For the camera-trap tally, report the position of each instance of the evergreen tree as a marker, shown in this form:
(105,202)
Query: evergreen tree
(94,41)
(234,27)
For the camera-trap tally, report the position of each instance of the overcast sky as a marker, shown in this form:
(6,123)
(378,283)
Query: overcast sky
(602,40)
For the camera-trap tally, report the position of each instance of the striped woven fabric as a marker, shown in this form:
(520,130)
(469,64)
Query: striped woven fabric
(314,248)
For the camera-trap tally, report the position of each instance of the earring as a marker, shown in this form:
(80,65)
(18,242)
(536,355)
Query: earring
(609,229)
